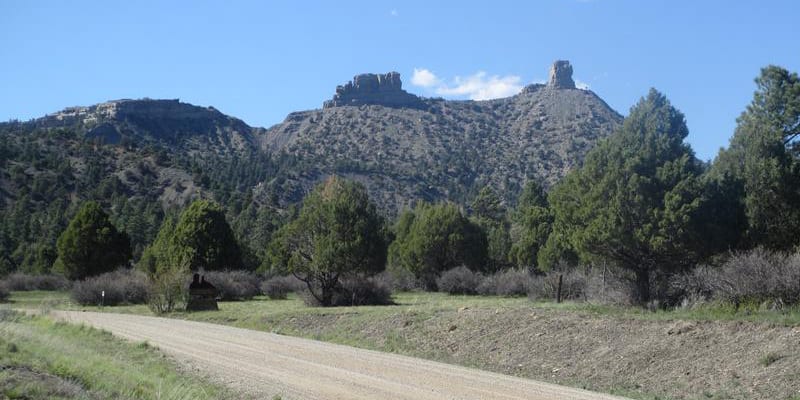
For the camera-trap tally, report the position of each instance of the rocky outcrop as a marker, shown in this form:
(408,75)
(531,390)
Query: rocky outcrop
(168,121)
(561,75)
(378,89)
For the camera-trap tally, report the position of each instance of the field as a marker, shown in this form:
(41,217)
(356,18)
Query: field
(43,359)
(705,353)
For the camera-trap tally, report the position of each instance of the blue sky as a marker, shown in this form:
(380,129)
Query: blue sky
(261,60)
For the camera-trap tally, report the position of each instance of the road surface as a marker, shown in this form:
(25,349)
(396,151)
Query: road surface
(260,364)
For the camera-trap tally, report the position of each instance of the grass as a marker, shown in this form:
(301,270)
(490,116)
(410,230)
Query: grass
(246,314)
(43,359)
(769,359)
(706,312)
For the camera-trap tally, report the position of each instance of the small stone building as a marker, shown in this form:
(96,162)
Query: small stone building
(202,295)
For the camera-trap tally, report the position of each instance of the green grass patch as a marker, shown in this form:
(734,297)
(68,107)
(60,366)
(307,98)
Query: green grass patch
(43,359)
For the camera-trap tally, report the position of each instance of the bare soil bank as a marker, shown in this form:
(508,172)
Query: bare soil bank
(632,357)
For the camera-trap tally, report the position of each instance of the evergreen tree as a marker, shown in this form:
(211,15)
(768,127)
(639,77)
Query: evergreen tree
(91,245)
(337,234)
(159,255)
(635,199)
(489,213)
(437,238)
(203,240)
(530,227)
(762,164)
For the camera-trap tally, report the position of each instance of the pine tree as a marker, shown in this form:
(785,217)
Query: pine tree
(337,234)
(91,245)
(762,163)
(635,199)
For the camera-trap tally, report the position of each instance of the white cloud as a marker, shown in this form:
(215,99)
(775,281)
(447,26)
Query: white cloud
(482,87)
(479,86)
(423,77)
(393,13)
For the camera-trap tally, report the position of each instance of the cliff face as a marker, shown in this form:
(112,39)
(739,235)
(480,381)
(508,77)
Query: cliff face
(441,149)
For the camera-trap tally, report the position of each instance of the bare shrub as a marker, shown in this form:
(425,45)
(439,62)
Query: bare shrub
(509,283)
(356,291)
(120,287)
(168,290)
(459,280)
(609,286)
(757,276)
(235,285)
(279,287)
(545,287)
(399,279)
(26,282)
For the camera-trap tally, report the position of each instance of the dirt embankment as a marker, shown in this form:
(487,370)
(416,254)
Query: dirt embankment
(634,357)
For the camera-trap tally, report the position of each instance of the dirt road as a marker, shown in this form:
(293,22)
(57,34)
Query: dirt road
(259,364)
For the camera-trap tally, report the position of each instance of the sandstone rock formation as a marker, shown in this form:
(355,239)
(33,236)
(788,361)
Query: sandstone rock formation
(378,89)
(561,75)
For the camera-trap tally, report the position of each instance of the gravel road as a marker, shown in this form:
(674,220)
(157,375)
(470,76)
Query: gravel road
(260,364)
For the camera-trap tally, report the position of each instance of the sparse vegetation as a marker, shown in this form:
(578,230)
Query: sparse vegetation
(42,359)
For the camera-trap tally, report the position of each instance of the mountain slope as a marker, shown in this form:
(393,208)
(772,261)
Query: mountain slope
(142,158)
(438,149)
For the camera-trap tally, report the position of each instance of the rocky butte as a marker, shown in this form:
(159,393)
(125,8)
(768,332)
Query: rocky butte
(561,75)
(378,89)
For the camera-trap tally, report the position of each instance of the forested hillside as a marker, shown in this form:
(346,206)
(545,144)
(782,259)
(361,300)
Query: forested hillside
(143,159)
